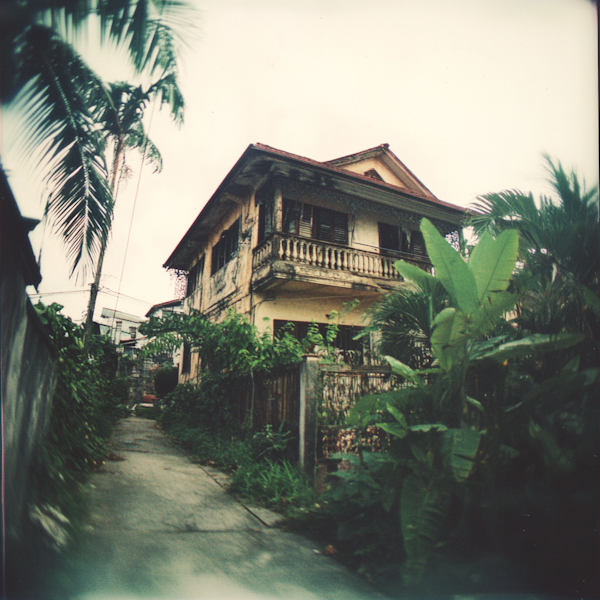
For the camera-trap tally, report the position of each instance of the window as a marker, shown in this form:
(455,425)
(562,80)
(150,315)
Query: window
(195,277)
(186,358)
(391,239)
(307,220)
(417,244)
(353,351)
(373,174)
(262,222)
(226,248)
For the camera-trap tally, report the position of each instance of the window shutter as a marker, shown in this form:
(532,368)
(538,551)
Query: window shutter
(417,244)
(305,228)
(340,228)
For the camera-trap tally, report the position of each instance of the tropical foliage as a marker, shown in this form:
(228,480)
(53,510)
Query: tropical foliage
(62,99)
(87,401)
(559,250)
(119,120)
(486,403)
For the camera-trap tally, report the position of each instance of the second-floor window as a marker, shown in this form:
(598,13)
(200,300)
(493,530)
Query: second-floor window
(392,239)
(226,248)
(195,276)
(308,220)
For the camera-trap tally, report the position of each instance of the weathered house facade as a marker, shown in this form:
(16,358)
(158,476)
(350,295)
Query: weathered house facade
(289,239)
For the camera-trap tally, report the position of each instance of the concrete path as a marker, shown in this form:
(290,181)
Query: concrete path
(164,528)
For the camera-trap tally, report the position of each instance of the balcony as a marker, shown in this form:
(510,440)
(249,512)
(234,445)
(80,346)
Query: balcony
(284,257)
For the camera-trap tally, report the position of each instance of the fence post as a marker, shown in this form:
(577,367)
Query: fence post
(309,388)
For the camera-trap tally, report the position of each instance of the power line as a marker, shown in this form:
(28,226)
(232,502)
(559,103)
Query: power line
(135,199)
(104,290)
(125,296)
(40,294)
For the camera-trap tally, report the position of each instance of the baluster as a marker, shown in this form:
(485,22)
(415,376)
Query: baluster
(345,260)
(282,249)
(294,244)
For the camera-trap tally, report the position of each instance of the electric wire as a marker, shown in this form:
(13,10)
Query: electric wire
(135,199)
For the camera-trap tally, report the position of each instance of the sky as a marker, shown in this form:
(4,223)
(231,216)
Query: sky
(468,94)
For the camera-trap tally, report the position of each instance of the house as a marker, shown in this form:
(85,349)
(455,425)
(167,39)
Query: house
(158,311)
(164,308)
(290,239)
(122,328)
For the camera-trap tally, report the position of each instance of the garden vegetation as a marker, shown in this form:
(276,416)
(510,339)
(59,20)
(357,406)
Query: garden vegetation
(487,481)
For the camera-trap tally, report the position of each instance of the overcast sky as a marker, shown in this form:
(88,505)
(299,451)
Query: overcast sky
(468,94)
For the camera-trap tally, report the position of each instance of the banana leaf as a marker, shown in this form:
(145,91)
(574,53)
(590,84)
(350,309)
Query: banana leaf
(424,503)
(459,448)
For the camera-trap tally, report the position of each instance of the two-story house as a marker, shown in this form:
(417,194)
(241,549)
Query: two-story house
(292,239)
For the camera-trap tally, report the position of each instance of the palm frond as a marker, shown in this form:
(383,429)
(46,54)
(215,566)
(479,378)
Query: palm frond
(168,92)
(149,27)
(136,139)
(79,204)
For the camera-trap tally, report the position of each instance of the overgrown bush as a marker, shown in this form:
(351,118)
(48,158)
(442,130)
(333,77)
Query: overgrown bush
(165,380)
(87,401)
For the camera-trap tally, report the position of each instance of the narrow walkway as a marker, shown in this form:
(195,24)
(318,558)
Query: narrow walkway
(164,528)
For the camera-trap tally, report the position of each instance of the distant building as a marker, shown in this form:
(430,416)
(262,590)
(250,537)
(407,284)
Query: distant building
(158,311)
(123,330)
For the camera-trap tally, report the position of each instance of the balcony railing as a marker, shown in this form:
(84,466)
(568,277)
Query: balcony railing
(289,248)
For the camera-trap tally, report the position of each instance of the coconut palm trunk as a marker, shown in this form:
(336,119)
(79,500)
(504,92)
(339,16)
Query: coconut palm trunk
(121,116)
(119,152)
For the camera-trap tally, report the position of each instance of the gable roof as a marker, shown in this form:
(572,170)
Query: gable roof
(260,161)
(168,304)
(387,158)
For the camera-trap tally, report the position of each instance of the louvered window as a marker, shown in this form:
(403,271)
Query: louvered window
(307,220)
(195,276)
(417,244)
(226,248)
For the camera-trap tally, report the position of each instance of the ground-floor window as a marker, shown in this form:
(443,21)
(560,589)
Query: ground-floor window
(353,352)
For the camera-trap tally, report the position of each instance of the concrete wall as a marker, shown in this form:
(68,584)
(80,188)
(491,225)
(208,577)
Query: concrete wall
(28,376)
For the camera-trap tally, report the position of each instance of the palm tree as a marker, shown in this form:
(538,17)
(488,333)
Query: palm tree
(402,322)
(559,250)
(120,113)
(60,95)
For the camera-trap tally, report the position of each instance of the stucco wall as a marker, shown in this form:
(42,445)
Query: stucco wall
(28,378)
(294,308)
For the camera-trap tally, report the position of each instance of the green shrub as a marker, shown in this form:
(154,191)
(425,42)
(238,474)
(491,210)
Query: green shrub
(273,484)
(273,444)
(165,380)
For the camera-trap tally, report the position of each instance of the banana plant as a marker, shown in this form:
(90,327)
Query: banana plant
(434,441)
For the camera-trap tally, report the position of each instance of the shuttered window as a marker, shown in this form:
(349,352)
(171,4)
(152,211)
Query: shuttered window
(226,248)
(195,276)
(307,220)
(417,244)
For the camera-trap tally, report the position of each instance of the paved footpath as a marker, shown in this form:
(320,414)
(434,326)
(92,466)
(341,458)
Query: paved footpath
(163,527)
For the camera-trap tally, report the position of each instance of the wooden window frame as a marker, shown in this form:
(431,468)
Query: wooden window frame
(226,248)
(316,222)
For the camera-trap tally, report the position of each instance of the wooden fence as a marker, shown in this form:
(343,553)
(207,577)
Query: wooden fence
(314,400)
(340,389)
(276,398)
